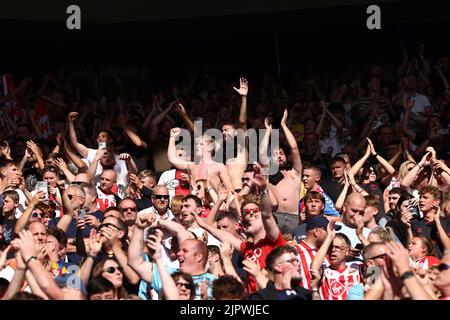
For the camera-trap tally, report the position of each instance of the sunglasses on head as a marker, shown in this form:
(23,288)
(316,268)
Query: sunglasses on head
(161,196)
(113,269)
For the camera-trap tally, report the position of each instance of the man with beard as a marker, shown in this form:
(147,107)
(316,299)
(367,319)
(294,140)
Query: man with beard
(283,262)
(237,165)
(286,183)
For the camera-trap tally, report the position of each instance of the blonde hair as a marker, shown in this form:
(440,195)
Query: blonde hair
(402,170)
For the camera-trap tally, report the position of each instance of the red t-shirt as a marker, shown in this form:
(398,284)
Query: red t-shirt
(427,262)
(258,252)
(181,189)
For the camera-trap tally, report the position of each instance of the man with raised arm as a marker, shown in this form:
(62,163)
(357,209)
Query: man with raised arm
(259,224)
(216,173)
(286,183)
(237,165)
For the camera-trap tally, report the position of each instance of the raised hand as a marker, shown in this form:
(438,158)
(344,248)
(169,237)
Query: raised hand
(72,116)
(91,220)
(34,147)
(372,148)
(267,124)
(284,119)
(182,109)
(330,229)
(154,244)
(3,256)
(259,178)
(145,220)
(125,156)
(95,242)
(175,132)
(60,163)
(243,88)
(226,250)
(223,193)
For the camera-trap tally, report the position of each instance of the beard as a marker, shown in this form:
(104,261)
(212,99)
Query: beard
(286,165)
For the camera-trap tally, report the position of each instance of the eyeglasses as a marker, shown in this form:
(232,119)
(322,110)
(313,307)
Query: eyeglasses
(161,196)
(108,225)
(37,214)
(337,248)
(183,284)
(112,270)
(130,208)
(443,267)
(291,261)
(378,256)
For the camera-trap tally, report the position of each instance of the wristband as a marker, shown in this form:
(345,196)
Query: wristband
(407,275)
(376,154)
(92,257)
(30,259)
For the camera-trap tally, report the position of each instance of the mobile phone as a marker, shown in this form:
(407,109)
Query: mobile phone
(414,212)
(102,145)
(42,186)
(82,213)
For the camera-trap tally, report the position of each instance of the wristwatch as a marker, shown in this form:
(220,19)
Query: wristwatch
(407,275)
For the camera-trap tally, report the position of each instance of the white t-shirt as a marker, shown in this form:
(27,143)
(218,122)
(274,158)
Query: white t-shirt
(120,168)
(332,142)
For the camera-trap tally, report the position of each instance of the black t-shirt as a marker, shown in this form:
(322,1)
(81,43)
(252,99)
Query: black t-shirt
(332,188)
(272,293)
(420,227)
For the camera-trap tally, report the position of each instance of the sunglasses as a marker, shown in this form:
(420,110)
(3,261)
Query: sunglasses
(184,284)
(112,270)
(37,214)
(161,196)
(108,225)
(130,208)
(245,179)
(379,256)
(443,267)
(251,211)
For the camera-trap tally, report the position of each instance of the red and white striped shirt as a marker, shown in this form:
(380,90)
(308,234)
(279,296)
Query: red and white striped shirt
(427,262)
(307,254)
(336,283)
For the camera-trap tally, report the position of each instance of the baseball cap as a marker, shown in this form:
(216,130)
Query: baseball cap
(319,222)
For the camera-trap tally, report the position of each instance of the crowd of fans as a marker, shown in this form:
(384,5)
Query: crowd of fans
(99,201)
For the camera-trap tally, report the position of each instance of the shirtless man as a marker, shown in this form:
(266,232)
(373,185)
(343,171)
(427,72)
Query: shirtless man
(236,166)
(287,190)
(215,173)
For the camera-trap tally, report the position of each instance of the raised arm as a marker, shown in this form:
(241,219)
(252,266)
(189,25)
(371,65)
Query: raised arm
(263,159)
(61,164)
(134,137)
(25,216)
(80,148)
(408,180)
(183,114)
(176,229)
(343,195)
(66,219)
(226,252)
(221,235)
(93,166)
(168,284)
(156,120)
(74,157)
(172,152)
(295,153)
(131,164)
(408,132)
(269,223)
(95,246)
(136,248)
(243,91)
(223,194)
(44,278)
(386,165)
(319,258)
